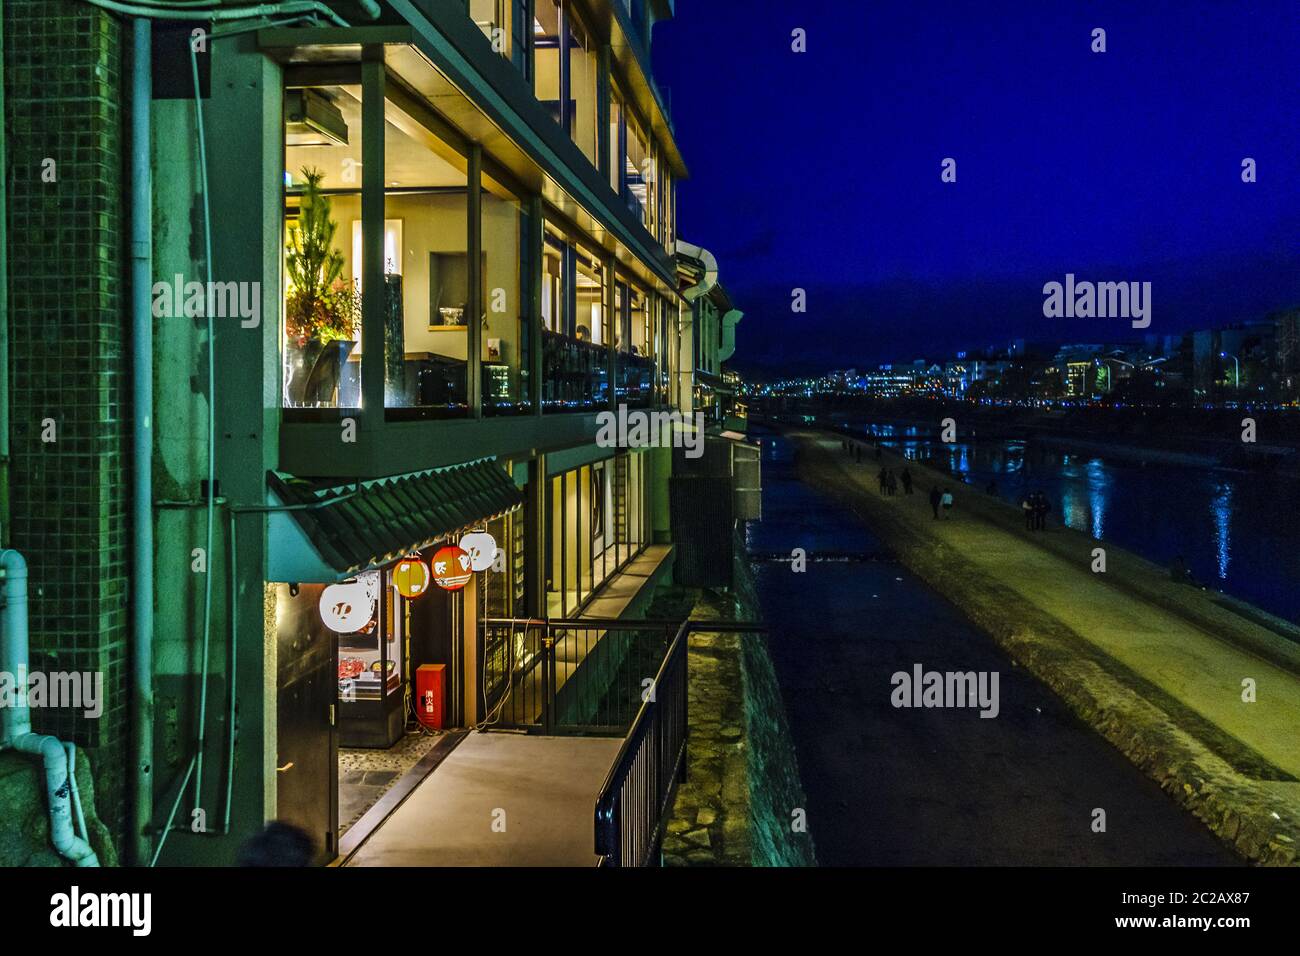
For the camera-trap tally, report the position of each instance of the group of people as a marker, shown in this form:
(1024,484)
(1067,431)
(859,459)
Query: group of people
(940,499)
(1035,507)
(889,481)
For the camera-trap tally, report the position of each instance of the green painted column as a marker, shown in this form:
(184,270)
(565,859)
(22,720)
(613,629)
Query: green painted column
(474,271)
(535,240)
(373,297)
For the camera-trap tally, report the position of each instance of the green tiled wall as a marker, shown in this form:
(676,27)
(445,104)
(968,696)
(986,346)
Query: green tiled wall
(64,71)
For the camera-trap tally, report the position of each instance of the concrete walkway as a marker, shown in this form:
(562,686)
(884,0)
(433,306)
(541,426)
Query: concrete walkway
(1162,649)
(500,799)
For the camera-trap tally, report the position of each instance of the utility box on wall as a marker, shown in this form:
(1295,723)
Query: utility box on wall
(430,693)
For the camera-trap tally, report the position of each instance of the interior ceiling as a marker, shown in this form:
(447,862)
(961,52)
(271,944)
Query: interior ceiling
(409,160)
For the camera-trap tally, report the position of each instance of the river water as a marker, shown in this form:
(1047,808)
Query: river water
(903,786)
(1237,531)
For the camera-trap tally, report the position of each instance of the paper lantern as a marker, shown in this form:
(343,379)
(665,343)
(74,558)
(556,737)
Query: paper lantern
(411,577)
(481,548)
(348,607)
(452,569)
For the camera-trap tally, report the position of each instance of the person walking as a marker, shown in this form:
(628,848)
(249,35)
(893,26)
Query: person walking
(892,484)
(946,501)
(883,478)
(1044,509)
(1041,507)
(1027,508)
(936,499)
(907,481)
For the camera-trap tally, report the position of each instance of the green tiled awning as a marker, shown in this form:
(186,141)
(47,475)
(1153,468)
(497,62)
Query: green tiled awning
(370,523)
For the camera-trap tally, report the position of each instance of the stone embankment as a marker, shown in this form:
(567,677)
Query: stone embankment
(738,806)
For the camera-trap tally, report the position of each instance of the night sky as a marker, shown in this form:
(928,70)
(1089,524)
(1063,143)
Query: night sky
(821,170)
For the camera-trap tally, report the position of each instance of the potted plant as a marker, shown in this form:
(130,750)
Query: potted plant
(322,307)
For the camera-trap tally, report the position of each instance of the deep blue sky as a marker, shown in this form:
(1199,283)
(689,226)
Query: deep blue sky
(821,170)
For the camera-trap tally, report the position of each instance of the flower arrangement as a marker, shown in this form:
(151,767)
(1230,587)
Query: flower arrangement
(321,303)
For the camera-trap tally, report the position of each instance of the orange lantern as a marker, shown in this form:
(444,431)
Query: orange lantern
(452,568)
(411,577)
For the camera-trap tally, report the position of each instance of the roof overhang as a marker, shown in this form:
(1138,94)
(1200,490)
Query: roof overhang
(321,532)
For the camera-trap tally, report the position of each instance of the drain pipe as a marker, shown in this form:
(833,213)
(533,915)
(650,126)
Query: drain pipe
(141,447)
(706,259)
(16,721)
(4,307)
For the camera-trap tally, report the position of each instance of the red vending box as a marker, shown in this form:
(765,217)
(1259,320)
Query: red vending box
(430,680)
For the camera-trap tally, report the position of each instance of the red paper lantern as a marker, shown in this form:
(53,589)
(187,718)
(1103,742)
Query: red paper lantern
(411,577)
(452,568)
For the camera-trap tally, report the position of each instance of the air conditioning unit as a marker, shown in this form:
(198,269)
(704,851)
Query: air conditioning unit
(310,119)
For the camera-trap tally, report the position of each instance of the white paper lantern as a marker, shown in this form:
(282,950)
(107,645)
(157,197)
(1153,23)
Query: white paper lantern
(481,548)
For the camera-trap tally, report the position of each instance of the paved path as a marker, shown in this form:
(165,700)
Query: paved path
(939,786)
(1198,670)
(543,789)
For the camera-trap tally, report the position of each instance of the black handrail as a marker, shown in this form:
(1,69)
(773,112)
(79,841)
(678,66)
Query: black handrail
(640,785)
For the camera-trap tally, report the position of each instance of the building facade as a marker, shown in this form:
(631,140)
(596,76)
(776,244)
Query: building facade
(401,259)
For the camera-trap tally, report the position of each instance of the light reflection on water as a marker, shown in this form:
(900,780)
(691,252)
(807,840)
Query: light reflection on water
(1236,531)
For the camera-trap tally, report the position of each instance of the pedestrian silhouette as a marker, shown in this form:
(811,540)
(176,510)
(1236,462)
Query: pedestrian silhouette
(907,481)
(935,500)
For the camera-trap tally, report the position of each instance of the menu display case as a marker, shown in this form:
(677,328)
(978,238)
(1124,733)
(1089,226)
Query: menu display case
(370,671)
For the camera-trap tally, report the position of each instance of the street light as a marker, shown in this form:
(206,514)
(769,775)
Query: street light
(1236,374)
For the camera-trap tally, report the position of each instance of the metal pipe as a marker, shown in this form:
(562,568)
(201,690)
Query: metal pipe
(142,445)
(232,603)
(4,308)
(16,721)
(212,438)
(156,11)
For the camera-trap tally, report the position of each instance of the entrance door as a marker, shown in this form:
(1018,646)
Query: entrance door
(307,741)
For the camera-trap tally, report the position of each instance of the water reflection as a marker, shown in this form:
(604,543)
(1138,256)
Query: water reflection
(1221,509)
(1231,528)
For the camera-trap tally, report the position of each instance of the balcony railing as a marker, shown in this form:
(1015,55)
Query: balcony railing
(635,379)
(575,375)
(569,677)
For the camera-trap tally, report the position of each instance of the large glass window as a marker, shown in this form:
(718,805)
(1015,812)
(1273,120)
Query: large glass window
(582,87)
(575,359)
(427,272)
(505,24)
(616,149)
(596,524)
(638,170)
(322,307)
(546,52)
(635,363)
(506,331)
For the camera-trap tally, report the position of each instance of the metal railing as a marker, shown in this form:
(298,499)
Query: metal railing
(604,677)
(570,677)
(633,805)
(632,808)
